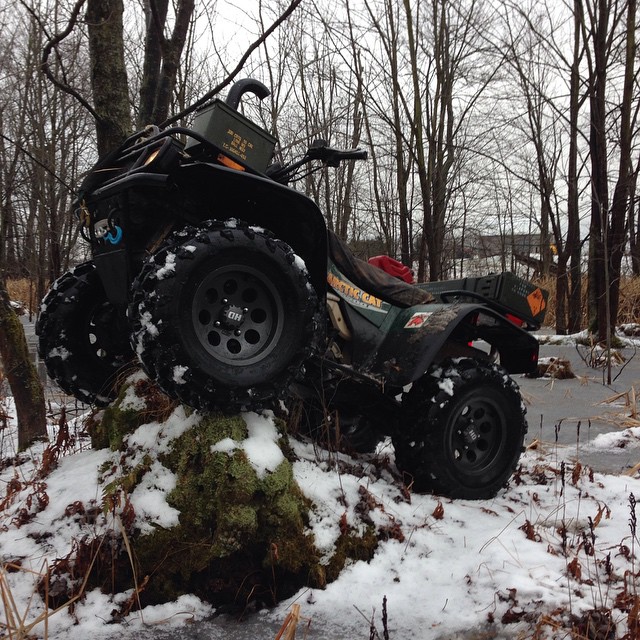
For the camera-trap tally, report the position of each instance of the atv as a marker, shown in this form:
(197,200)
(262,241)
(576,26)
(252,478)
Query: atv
(226,285)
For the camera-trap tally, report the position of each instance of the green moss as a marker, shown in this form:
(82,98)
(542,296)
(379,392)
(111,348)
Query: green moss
(173,557)
(278,482)
(236,528)
(351,546)
(232,523)
(115,423)
(239,536)
(126,482)
(193,447)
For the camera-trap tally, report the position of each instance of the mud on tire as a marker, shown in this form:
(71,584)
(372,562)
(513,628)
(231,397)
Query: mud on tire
(224,317)
(83,338)
(465,430)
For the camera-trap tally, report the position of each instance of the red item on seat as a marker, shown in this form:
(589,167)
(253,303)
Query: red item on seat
(392,267)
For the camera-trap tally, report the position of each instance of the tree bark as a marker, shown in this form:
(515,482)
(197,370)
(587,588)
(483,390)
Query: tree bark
(573,245)
(620,203)
(155,12)
(22,375)
(109,81)
(598,291)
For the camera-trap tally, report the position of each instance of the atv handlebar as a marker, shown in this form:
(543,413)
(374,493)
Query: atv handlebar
(317,151)
(333,157)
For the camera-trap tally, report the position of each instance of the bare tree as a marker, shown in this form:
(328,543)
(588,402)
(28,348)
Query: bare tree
(608,26)
(18,365)
(441,65)
(533,52)
(162,57)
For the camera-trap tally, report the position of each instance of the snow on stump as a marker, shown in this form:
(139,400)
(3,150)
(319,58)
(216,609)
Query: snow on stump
(202,504)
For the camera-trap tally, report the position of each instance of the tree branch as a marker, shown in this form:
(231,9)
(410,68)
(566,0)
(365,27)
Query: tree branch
(229,79)
(51,45)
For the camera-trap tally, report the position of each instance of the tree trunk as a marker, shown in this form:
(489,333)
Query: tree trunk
(634,226)
(620,204)
(108,73)
(162,58)
(572,245)
(598,286)
(22,375)
(155,17)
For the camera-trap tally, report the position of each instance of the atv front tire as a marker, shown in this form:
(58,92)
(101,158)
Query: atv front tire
(465,430)
(83,338)
(224,319)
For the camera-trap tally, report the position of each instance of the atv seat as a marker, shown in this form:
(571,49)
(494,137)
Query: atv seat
(393,268)
(374,280)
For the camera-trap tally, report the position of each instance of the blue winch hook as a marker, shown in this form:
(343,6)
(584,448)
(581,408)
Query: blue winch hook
(114,235)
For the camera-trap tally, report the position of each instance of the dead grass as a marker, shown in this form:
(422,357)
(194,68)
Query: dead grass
(24,291)
(628,312)
(559,368)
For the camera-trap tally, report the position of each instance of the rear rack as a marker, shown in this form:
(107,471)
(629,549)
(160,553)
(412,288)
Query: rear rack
(513,297)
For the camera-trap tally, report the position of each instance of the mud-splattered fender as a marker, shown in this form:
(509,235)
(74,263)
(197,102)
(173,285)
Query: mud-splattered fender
(421,335)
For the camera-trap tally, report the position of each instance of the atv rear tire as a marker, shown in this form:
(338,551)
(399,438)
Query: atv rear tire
(465,431)
(83,338)
(224,319)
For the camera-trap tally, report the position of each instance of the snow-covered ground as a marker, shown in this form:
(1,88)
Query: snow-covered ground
(557,543)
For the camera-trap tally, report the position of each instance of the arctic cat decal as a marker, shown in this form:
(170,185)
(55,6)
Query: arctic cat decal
(351,293)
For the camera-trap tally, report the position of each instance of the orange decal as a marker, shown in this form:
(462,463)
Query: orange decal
(536,302)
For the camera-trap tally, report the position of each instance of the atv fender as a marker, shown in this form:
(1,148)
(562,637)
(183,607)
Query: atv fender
(422,335)
(198,192)
(288,214)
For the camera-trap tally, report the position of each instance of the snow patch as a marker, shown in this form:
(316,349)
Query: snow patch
(261,446)
(147,325)
(59,352)
(131,401)
(617,439)
(178,374)
(446,384)
(300,263)
(150,499)
(169,267)
(226,445)
(157,436)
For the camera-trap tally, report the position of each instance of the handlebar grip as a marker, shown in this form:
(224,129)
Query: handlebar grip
(353,154)
(333,157)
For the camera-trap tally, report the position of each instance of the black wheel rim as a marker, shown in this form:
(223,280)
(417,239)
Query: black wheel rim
(477,435)
(237,315)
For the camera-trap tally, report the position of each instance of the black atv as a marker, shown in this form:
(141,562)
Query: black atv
(226,285)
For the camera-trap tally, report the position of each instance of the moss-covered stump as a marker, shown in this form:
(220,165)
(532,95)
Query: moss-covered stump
(241,534)
(209,505)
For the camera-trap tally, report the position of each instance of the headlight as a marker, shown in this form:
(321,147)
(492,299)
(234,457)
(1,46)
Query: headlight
(151,157)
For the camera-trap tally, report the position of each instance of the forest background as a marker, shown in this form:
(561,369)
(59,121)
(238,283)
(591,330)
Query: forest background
(482,118)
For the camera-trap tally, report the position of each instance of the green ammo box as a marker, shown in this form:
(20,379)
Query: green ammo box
(234,136)
(522,298)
